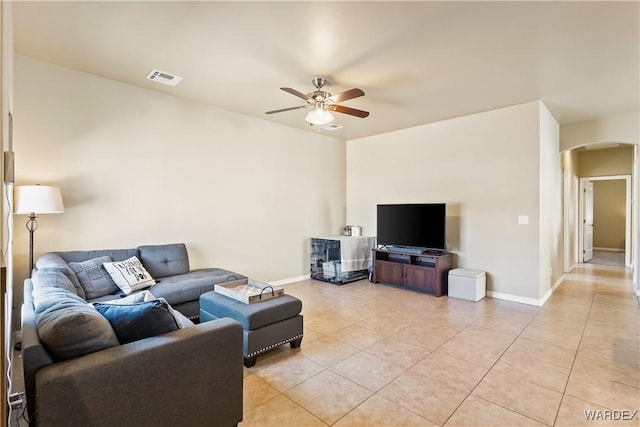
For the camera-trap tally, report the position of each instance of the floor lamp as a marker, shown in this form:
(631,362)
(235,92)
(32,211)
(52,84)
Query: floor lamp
(33,200)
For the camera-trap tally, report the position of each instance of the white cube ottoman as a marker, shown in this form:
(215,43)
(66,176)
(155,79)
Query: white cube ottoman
(467,284)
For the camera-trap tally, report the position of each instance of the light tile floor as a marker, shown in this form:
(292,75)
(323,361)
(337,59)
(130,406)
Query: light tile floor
(374,355)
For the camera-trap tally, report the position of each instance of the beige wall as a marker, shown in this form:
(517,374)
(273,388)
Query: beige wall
(486,167)
(623,128)
(606,162)
(138,167)
(609,204)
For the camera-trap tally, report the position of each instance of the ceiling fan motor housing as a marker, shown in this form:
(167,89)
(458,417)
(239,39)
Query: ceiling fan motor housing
(318,82)
(318,96)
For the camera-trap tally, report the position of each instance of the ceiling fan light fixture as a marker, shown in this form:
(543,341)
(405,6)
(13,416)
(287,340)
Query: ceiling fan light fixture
(319,116)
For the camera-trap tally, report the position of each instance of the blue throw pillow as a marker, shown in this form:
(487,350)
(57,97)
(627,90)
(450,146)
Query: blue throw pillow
(137,321)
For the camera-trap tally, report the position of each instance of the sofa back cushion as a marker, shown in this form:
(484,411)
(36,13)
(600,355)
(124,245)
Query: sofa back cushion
(53,277)
(53,260)
(69,327)
(164,260)
(94,278)
(114,254)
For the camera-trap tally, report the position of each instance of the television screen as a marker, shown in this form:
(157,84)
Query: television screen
(412,225)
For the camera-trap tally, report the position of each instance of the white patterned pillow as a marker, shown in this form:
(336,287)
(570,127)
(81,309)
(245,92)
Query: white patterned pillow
(129,275)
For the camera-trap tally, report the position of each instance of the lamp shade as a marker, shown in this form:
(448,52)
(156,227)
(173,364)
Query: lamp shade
(37,199)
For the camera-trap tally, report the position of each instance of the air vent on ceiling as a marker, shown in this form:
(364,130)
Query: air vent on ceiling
(330,126)
(164,78)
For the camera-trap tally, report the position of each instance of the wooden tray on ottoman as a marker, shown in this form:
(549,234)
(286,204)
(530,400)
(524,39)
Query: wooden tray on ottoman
(248,291)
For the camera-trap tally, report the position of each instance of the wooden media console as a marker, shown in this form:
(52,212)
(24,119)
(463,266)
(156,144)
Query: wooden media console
(425,272)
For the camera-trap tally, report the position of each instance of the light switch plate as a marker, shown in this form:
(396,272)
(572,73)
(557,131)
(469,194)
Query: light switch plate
(523,219)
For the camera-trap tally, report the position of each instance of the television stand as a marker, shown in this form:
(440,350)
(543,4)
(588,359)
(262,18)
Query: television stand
(422,272)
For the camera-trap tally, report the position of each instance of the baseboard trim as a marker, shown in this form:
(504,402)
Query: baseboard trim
(290,280)
(608,249)
(513,298)
(524,300)
(552,290)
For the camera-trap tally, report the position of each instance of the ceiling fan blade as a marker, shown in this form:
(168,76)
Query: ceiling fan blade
(286,109)
(347,94)
(347,110)
(296,93)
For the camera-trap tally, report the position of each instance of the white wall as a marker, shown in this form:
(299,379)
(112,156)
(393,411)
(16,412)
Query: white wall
(551,221)
(139,167)
(486,168)
(570,164)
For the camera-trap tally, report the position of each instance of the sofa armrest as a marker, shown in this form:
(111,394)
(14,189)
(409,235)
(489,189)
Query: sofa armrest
(34,355)
(191,376)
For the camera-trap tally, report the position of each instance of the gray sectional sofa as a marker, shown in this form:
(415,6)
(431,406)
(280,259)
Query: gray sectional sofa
(189,375)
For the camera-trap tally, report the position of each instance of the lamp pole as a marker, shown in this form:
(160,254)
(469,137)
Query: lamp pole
(31,225)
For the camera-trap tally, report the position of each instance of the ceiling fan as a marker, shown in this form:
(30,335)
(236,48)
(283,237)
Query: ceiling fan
(322,102)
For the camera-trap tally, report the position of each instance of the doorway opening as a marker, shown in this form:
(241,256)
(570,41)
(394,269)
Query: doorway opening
(605,220)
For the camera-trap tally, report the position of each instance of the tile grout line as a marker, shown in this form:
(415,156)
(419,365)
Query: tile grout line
(575,356)
(487,373)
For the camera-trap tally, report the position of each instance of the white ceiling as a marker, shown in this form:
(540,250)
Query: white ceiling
(418,62)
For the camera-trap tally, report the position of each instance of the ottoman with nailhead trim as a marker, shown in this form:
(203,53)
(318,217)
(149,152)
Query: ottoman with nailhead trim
(266,324)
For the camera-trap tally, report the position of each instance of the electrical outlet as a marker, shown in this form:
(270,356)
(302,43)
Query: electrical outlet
(16,400)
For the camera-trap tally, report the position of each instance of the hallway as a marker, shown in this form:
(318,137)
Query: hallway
(607,258)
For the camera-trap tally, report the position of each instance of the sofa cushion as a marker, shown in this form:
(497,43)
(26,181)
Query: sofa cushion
(93,277)
(53,277)
(53,260)
(182,320)
(188,287)
(114,254)
(140,296)
(165,260)
(137,321)
(129,275)
(68,326)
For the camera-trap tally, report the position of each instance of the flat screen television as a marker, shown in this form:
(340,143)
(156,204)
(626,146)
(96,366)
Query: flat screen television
(412,225)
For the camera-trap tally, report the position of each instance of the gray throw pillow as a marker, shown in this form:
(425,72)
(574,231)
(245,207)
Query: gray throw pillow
(137,321)
(68,326)
(93,277)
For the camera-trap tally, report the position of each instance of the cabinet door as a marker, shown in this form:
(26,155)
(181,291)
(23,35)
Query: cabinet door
(421,278)
(389,272)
